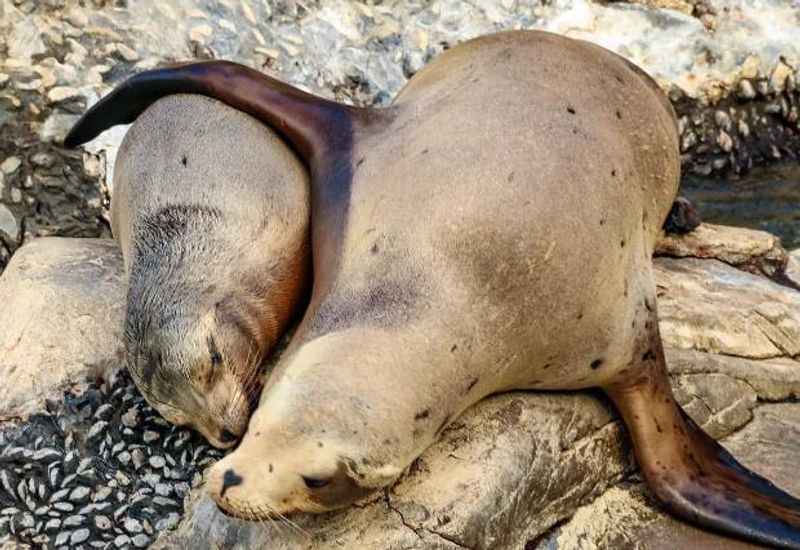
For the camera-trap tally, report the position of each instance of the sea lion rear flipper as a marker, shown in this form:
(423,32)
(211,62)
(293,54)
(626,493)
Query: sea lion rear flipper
(691,473)
(311,124)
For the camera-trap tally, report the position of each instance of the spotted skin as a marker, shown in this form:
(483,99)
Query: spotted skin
(517,184)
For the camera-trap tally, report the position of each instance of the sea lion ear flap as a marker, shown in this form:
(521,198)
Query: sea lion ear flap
(312,125)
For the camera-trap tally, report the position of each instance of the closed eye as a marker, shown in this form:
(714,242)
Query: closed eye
(315,483)
(216,356)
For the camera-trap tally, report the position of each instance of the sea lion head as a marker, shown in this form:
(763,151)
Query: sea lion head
(202,314)
(211,210)
(199,370)
(324,437)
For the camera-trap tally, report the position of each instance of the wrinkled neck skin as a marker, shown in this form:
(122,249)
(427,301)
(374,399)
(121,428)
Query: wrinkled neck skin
(353,385)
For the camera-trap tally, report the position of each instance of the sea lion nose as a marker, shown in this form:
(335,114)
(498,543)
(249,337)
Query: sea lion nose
(226,436)
(230,479)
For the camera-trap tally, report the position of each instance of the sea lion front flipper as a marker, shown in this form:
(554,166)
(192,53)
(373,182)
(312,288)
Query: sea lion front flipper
(691,473)
(312,125)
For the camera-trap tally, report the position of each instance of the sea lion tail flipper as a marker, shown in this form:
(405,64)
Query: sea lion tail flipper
(311,124)
(690,473)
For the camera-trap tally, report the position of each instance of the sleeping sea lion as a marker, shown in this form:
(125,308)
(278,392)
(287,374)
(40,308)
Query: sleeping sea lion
(491,230)
(211,210)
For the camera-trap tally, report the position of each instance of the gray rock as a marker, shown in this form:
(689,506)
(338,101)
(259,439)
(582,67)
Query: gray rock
(752,317)
(8,224)
(62,318)
(10,165)
(547,453)
(625,516)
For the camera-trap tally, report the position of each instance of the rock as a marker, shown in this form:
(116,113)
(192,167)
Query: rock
(63,303)
(127,53)
(546,453)
(60,94)
(748,249)
(709,306)
(79,536)
(56,126)
(8,224)
(626,517)
(746,90)
(793,267)
(10,165)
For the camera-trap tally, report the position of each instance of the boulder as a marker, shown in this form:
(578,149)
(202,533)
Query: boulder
(626,517)
(60,320)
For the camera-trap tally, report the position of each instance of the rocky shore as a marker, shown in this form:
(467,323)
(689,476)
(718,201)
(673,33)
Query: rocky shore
(84,462)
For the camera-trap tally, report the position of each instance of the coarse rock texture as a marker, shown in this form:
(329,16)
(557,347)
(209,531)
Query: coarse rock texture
(729,67)
(626,516)
(519,470)
(750,250)
(61,317)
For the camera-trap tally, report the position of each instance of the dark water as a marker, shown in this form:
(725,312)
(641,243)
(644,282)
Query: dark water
(767,198)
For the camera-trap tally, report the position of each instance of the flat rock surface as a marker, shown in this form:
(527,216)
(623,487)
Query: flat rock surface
(741,314)
(625,517)
(61,318)
(748,249)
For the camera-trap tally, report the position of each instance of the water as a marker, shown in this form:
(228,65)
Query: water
(767,199)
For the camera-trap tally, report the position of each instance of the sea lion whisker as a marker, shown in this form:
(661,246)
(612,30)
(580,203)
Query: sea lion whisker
(292,524)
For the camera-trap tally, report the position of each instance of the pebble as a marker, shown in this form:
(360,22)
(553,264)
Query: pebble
(138,458)
(157,461)
(122,541)
(150,436)
(725,141)
(64,506)
(80,494)
(8,223)
(102,523)
(79,536)
(58,495)
(141,541)
(62,93)
(132,525)
(131,418)
(3,79)
(102,494)
(43,160)
(10,165)
(74,521)
(30,86)
(127,53)
(169,522)
(10,101)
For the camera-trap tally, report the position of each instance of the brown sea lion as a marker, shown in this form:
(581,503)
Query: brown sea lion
(211,210)
(491,230)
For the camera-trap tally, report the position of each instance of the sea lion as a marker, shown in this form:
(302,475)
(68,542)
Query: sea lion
(211,210)
(491,230)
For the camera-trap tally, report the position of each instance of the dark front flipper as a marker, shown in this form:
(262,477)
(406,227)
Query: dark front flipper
(683,217)
(311,124)
(689,472)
